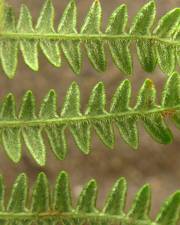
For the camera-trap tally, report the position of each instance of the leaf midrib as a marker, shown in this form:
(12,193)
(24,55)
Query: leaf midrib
(43,122)
(84,37)
(31,216)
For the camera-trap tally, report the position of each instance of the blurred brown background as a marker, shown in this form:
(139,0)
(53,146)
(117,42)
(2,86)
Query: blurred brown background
(155,164)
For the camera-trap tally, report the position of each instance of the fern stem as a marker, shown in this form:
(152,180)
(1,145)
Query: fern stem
(84,37)
(88,118)
(70,216)
(55,207)
(159,46)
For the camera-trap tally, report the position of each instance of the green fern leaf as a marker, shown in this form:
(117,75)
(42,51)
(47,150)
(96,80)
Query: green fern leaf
(45,25)
(166,27)
(141,207)
(96,117)
(71,49)
(120,48)
(87,199)
(9,58)
(96,107)
(11,137)
(55,207)
(32,135)
(169,214)
(25,26)
(62,196)
(55,133)
(127,125)
(161,45)
(171,95)
(71,108)
(94,49)
(154,124)
(141,26)
(171,92)
(40,196)
(18,197)
(115,202)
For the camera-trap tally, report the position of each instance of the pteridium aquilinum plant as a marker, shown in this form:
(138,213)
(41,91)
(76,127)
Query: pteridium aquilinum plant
(55,207)
(30,126)
(158,46)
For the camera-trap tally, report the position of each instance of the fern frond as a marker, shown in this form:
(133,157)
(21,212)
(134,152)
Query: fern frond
(162,45)
(30,126)
(55,207)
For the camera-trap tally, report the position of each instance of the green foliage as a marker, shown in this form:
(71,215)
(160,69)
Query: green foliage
(160,46)
(31,127)
(46,207)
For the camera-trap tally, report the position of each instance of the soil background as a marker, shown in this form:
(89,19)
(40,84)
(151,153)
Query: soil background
(155,164)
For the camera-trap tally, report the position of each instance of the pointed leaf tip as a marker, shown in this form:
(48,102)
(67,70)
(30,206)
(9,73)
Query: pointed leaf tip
(44,25)
(121,98)
(49,106)
(87,199)
(40,197)
(120,49)
(149,83)
(100,87)
(170,211)
(28,94)
(142,203)
(17,202)
(92,183)
(27,110)
(142,25)
(52,93)
(41,177)
(95,48)
(97,100)
(81,130)
(63,174)
(71,48)
(97,1)
(90,187)
(171,93)
(10,96)
(8,110)
(62,195)
(168,23)
(74,85)
(11,135)
(71,106)
(115,202)
(45,20)
(147,96)
(32,134)
(144,19)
